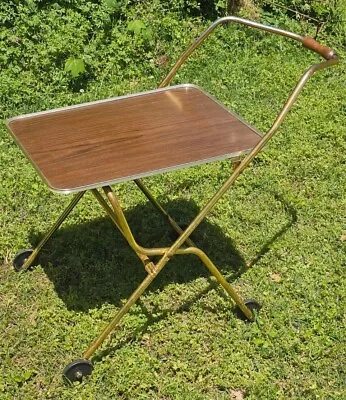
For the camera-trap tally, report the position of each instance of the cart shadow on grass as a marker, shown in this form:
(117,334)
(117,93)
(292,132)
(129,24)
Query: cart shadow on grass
(91,263)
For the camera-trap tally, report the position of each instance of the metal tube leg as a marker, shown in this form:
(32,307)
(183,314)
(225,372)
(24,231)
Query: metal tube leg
(204,258)
(158,206)
(223,282)
(52,230)
(148,264)
(110,327)
(125,229)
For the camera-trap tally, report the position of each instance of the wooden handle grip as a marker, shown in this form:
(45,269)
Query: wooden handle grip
(312,44)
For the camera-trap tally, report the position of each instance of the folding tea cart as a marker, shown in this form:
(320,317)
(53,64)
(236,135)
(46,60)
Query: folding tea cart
(94,145)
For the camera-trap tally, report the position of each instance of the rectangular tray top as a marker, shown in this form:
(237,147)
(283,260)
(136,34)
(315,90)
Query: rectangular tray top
(124,138)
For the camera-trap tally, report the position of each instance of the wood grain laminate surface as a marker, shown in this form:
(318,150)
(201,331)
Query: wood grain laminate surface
(119,139)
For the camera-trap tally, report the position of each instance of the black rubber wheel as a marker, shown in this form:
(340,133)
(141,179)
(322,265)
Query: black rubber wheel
(77,370)
(252,304)
(20,259)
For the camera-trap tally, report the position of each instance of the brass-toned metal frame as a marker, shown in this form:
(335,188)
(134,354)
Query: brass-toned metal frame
(110,202)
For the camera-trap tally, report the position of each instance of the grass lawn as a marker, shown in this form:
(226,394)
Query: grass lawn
(285,218)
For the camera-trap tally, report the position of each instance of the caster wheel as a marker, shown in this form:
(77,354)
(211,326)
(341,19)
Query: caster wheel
(77,370)
(252,304)
(20,259)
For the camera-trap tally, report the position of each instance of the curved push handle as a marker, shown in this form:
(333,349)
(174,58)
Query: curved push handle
(324,51)
(330,59)
(307,41)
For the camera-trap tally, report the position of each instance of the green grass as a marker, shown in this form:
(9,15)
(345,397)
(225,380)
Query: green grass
(285,217)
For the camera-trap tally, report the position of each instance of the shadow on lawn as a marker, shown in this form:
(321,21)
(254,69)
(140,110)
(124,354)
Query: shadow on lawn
(293,219)
(91,264)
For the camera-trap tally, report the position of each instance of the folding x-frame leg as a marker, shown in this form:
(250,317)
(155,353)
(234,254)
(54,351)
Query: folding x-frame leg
(80,368)
(117,215)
